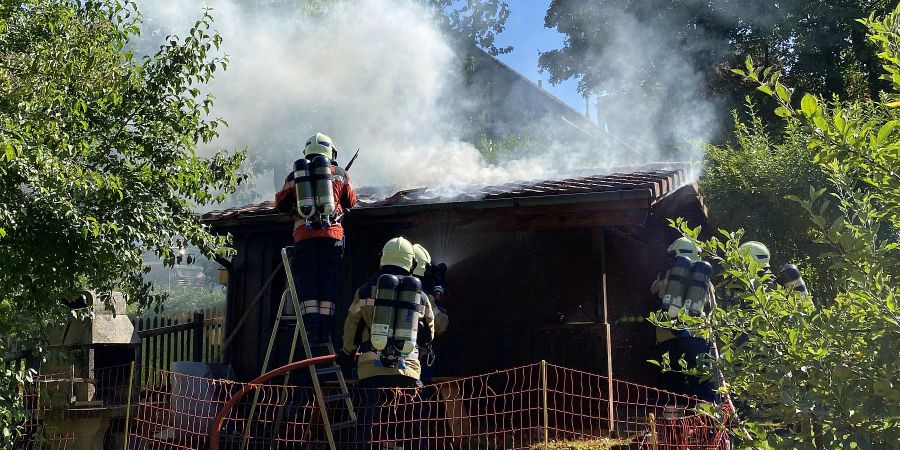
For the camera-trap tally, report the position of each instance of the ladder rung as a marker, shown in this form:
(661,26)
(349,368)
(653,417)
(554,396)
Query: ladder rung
(343,425)
(335,397)
(288,317)
(327,370)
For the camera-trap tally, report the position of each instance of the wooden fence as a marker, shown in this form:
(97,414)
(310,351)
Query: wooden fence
(186,336)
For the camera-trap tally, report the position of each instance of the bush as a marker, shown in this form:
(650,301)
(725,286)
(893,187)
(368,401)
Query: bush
(820,374)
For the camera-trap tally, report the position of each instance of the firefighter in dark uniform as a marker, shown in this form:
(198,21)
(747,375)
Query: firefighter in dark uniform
(374,372)
(432,278)
(317,259)
(678,344)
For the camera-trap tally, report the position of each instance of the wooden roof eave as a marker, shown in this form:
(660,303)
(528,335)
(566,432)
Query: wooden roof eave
(621,207)
(625,207)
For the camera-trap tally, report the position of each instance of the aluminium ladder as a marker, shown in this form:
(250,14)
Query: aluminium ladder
(314,371)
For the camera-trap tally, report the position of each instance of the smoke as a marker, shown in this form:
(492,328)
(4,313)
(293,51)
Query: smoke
(653,97)
(381,76)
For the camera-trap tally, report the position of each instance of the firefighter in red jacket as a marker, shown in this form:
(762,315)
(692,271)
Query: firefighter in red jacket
(317,194)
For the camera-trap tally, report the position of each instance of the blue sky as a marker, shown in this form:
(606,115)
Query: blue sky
(526,33)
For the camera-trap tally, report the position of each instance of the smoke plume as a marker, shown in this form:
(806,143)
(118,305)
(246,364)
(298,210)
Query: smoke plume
(381,76)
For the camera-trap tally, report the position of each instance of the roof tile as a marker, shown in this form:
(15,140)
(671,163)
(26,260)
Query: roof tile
(659,181)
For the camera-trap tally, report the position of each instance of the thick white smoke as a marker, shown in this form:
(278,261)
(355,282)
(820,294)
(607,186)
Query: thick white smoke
(378,75)
(654,98)
(372,74)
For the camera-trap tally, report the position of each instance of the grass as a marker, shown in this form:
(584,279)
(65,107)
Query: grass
(592,444)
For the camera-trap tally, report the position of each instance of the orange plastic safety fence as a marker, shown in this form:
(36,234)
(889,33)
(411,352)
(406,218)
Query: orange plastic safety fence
(580,409)
(57,403)
(509,409)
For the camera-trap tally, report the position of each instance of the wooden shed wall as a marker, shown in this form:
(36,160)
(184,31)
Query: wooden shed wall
(515,297)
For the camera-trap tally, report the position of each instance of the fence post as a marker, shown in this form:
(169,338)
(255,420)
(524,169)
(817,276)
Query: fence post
(128,404)
(546,413)
(199,326)
(611,408)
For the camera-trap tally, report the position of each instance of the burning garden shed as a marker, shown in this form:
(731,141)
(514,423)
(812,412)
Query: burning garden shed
(536,270)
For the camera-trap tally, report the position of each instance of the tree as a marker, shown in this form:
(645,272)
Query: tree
(477,21)
(821,374)
(748,183)
(98,158)
(815,44)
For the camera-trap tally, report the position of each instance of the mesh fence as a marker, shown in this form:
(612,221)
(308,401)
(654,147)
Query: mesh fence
(520,408)
(57,402)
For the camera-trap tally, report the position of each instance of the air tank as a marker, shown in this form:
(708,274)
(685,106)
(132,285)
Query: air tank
(789,276)
(321,168)
(306,201)
(383,320)
(406,317)
(677,285)
(695,296)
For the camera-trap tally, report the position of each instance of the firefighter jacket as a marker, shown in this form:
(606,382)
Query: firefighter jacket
(344,199)
(361,315)
(658,289)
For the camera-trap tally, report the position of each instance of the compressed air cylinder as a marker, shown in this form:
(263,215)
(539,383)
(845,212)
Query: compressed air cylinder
(306,201)
(321,168)
(406,318)
(677,285)
(383,320)
(695,296)
(791,279)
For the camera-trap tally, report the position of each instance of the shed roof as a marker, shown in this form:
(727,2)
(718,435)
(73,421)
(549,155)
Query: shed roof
(648,185)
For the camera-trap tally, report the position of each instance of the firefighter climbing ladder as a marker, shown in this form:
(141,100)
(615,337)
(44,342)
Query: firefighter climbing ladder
(314,371)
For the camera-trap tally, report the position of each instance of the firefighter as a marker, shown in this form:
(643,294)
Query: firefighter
(758,251)
(432,277)
(398,259)
(326,194)
(684,288)
(789,276)
(376,370)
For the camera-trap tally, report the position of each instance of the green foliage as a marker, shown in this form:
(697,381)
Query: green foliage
(496,150)
(98,158)
(478,21)
(816,44)
(186,298)
(12,412)
(821,374)
(748,182)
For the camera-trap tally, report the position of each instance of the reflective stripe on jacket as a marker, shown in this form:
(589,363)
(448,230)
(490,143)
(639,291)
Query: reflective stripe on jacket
(362,313)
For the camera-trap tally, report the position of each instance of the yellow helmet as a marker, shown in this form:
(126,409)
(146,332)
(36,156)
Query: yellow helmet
(685,247)
(398,252)
(423,258)
(757,250)
(319,144)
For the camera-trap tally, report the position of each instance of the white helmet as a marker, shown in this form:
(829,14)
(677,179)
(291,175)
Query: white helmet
(685,247)
(423,258)
(757,250)
(319,144)
(398,252)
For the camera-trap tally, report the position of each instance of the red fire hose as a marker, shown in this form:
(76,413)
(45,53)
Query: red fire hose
(220,417)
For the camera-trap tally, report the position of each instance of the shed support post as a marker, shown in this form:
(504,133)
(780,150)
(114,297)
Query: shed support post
(598,246)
